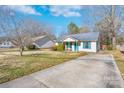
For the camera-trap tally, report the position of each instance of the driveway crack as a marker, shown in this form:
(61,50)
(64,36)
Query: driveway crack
(41,83)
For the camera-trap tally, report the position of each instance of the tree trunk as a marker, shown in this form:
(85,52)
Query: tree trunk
(21,51)
(113,27)
(114,42)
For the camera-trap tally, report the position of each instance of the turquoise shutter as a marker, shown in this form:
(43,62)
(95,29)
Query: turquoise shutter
(67,44)
(89,45)
(83,44)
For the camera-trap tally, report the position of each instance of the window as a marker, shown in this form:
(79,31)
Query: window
(69,44)
(87,45)
(66,44)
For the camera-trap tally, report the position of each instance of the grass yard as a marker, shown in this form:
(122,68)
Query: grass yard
(17,66)
(119,57)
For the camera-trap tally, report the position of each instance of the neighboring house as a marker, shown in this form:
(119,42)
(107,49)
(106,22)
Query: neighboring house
(88,42)
(43,42)
(6,44)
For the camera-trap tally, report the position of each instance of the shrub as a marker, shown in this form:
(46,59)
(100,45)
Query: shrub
(31,47)
(109,47)
(60,47)
(54,48)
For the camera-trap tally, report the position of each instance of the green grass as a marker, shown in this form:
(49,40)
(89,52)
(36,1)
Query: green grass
(17,66)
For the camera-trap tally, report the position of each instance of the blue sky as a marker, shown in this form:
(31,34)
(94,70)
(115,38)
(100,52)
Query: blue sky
(57,16)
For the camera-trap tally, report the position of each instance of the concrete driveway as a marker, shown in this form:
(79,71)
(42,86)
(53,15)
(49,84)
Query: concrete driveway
(91,71)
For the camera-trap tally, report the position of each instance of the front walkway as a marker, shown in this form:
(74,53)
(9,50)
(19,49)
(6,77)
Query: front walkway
(93,70)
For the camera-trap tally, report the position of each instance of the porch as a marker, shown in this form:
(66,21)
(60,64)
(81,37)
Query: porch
(71,46)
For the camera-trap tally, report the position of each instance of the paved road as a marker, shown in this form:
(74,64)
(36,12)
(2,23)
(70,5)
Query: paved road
(92,71)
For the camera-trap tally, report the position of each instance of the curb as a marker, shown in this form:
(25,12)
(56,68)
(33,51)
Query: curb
(118,72)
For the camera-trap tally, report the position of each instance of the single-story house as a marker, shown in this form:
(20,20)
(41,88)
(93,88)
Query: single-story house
(6,44)
(88,42)
(43,42)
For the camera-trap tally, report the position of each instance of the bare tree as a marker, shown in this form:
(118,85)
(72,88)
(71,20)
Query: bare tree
(21,30)
(13,28)
(5,15)
(111,21)
(21,37)
(6,24)
(35,28)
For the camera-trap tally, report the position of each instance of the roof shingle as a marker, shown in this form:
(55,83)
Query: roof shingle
(89,36)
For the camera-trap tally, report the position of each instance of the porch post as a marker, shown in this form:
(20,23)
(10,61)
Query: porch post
(69,46)
(76,46)
(66,45)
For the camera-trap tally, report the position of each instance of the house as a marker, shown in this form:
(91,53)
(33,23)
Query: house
(88,42)
(6,44)
(43,42)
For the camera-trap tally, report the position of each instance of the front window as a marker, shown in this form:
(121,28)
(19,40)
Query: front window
(87,45)
(69,44)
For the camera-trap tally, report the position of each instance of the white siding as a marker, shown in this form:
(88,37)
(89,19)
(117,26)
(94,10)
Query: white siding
(6,44)
(73,48)
(69,40)
(93,47)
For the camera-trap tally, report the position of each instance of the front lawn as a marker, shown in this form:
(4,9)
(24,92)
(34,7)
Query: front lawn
(119,58)
(17,66)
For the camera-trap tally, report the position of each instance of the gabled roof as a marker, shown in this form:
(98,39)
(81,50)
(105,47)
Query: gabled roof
(43,42)
(37,38)
(89,36)
(48,44)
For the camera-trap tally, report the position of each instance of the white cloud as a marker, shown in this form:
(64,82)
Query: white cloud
(65,11)
(24,9)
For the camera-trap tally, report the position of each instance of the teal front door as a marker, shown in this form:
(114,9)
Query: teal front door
(75,46)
